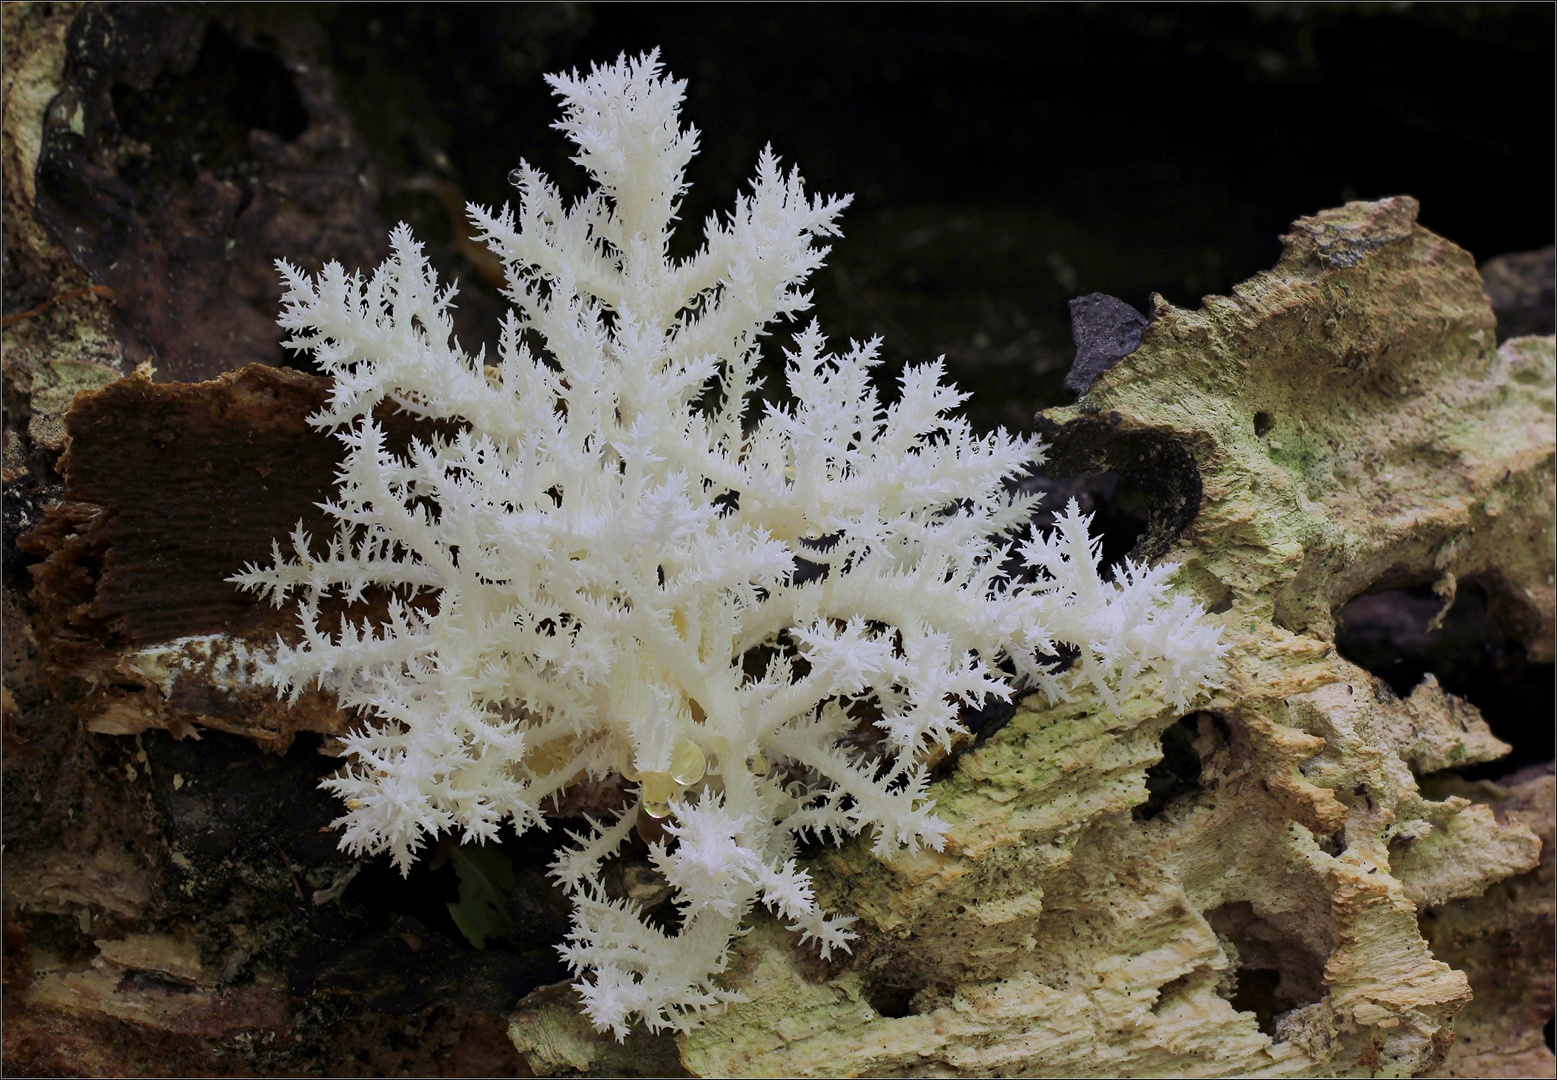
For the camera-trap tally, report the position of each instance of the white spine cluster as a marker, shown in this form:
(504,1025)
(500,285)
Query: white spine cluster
(595,561)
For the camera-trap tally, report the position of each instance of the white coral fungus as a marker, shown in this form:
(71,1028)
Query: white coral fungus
(600,567)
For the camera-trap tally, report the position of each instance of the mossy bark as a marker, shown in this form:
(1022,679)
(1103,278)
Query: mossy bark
(1350,424)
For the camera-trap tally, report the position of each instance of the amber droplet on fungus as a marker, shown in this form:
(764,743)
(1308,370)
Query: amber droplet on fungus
(656,789)
(687,763)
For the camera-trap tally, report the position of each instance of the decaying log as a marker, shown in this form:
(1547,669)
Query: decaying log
(1292,879)
(1343,423)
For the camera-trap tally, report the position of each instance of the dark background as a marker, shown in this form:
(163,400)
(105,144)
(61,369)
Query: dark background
(1004,158)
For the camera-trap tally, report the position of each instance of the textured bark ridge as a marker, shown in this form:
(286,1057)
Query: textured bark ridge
(1240,891)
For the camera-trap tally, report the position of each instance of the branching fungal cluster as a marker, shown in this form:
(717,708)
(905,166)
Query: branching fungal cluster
(595,558)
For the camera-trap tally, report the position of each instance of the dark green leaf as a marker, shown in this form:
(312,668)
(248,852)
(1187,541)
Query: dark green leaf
(486,880)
